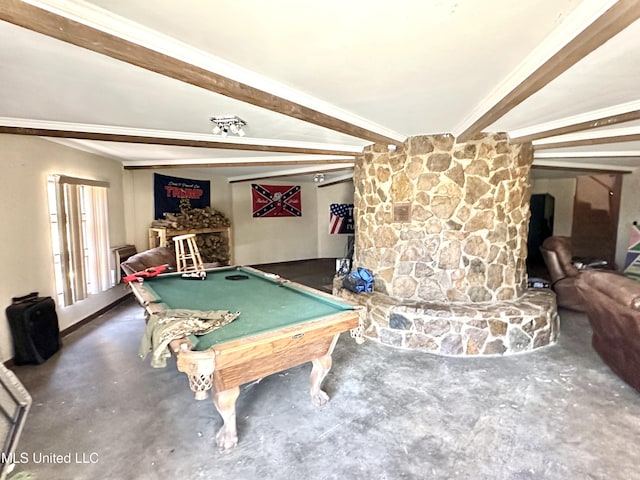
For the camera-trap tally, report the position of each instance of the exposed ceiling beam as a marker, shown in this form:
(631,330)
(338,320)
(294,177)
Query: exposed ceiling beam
(314,171)
(603,154)
(344,179)
(282,163)
(577,127)
(619,16)
(67,30)
(577,169)
(595,138)
(246,144)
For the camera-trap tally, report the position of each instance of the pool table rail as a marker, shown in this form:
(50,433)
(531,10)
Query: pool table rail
(241,361)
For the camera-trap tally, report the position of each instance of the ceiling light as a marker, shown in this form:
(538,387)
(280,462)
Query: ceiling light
(228,124)
(318,178)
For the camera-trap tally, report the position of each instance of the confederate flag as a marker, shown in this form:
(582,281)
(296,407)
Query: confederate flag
(276,201)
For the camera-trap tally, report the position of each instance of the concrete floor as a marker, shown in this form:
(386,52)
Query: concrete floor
(558,413)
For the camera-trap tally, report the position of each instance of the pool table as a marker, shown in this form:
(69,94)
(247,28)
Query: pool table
(281,324)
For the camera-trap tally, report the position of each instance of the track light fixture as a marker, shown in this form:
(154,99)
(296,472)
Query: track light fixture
(228,124)
(318,177)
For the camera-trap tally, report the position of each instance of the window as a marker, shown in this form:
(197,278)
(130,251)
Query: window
(80,237)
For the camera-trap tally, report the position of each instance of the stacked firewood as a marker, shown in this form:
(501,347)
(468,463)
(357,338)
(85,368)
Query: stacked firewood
(193,218)
(213,246)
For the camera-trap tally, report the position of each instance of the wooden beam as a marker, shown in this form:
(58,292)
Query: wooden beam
(296,174)
(282,163)
(329,183)
(588,141)
(595,171)
(178,142)
(609,24)
(75,33)
(577,127)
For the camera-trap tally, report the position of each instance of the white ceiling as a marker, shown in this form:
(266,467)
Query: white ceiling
(396,69)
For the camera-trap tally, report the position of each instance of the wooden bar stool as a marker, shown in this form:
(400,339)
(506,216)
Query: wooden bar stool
(187,258)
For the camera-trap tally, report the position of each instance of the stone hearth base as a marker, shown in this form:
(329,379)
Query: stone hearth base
(460,329)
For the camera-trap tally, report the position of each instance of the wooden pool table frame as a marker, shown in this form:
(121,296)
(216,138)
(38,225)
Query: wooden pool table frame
(226,366)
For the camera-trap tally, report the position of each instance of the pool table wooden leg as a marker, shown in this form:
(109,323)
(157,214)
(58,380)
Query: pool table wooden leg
(321,367)
(225,402)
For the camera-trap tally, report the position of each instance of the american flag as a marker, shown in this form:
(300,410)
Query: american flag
(632,262)
(341,218)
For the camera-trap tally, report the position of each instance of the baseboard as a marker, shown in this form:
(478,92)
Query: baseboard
(93,316)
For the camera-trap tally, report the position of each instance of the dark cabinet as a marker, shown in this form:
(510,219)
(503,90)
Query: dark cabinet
(540,226)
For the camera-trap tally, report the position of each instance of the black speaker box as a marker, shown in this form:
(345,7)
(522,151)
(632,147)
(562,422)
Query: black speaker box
(34,326)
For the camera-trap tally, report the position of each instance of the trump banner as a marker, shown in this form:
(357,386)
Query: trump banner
(341,218)
(168,191)
(276,201)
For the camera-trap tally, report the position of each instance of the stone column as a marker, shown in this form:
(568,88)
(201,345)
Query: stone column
(469,217)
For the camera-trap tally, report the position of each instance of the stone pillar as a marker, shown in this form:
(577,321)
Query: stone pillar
(444,228)
(466,237)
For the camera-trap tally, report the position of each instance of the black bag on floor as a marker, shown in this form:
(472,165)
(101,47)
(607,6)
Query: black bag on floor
(34,326)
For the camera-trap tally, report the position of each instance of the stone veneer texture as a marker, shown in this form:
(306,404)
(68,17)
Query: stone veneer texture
(451,279)
(458,329)
(466,239)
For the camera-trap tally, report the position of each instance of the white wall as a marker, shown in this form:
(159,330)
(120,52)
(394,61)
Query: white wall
(26,255)
(273,239)
(140,202)
(332,246)
(563,191)
(629,212)
(255,240)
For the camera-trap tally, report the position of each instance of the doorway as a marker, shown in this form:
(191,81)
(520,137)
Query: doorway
(595,217)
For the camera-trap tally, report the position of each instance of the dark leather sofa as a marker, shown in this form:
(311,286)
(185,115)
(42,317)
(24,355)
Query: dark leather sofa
(556,252)
(149,258)
(612,303)
(154,258)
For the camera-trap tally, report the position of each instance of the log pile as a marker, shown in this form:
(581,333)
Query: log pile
(213,246)
(192,219)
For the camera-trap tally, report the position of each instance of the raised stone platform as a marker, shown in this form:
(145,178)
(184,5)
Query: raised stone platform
(460,329)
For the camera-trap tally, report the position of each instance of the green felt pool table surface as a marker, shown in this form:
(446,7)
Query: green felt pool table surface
(264,303)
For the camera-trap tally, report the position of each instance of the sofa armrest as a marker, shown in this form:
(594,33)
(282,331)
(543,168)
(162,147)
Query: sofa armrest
(619,288)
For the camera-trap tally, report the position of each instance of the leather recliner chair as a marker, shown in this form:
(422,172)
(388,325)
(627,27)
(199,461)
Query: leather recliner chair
(556,252)
(613,307)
